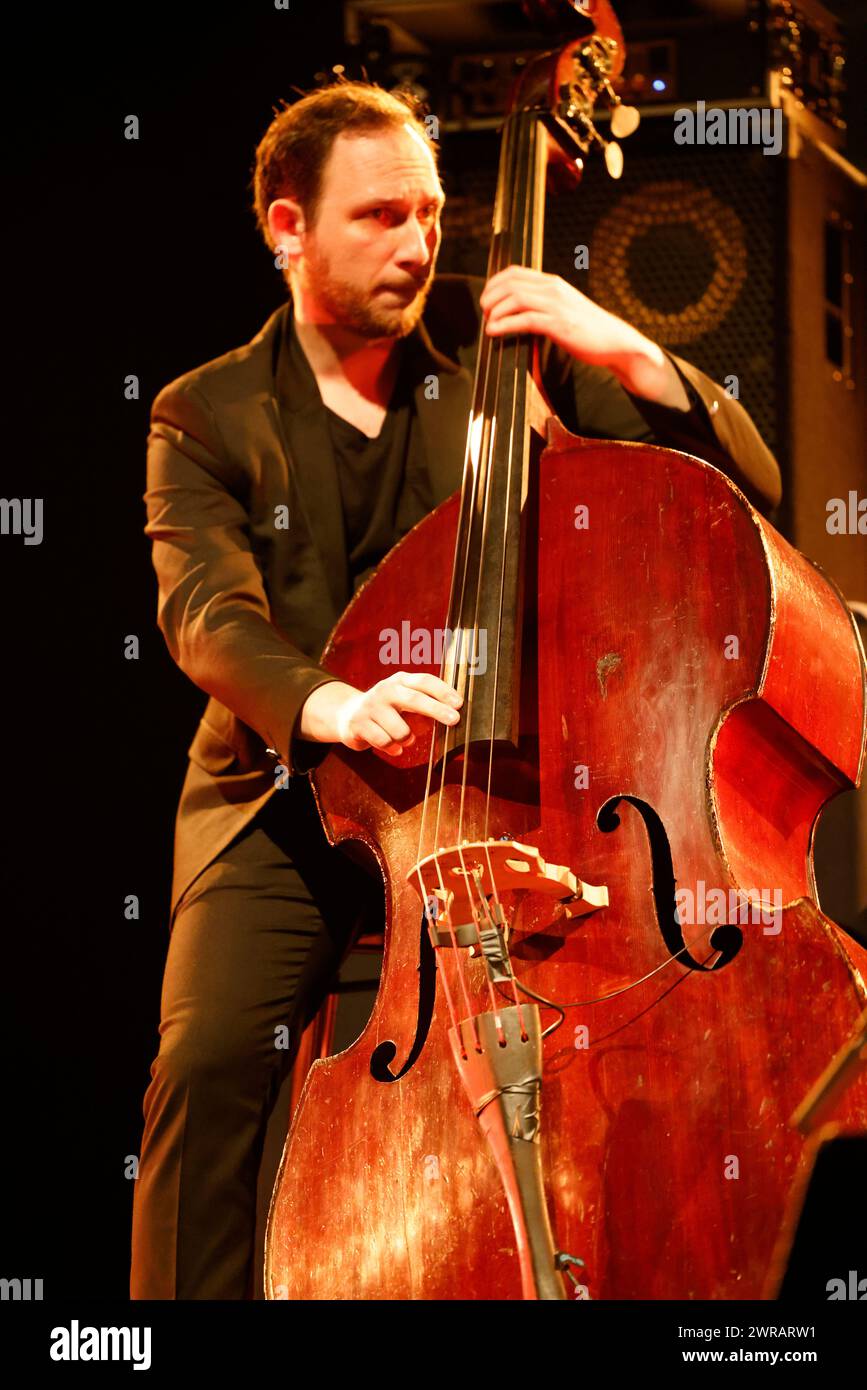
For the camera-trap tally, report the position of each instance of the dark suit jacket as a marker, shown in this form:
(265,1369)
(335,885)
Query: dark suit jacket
(246,607)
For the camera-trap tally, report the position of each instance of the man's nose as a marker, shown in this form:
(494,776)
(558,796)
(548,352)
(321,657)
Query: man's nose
(414,249)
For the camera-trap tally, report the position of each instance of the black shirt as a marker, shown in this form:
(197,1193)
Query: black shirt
(384,484)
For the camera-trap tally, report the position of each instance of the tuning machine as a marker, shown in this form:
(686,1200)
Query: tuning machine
(624,119)
(624,122)
(594,63)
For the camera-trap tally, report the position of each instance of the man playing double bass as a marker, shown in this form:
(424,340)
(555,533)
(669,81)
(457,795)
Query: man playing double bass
(279,475)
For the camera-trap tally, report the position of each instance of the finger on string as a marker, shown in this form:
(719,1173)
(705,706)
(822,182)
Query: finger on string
(513,323)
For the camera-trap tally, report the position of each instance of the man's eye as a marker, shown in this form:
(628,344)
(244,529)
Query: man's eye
(430,212)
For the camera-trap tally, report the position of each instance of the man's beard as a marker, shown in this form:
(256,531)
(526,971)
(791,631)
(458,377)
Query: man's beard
(366,314)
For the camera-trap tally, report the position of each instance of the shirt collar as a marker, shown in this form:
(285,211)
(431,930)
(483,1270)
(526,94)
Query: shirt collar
(297,385)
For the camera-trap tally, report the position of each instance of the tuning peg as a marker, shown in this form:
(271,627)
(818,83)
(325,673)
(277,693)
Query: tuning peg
(614,159)
(624,120)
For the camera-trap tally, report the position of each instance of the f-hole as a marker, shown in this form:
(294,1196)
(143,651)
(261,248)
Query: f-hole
(726,939)
(384,1054)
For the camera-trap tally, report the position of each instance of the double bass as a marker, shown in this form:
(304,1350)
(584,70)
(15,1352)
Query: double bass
(607,983)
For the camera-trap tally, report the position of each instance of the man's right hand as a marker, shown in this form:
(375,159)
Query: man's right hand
(359,719)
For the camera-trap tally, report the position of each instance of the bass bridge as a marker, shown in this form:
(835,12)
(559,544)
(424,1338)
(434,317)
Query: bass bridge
(459,909)
(498,1053)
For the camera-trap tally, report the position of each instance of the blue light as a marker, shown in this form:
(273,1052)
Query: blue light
(658,84)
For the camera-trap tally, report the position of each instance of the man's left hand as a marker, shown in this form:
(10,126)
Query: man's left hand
(520,300)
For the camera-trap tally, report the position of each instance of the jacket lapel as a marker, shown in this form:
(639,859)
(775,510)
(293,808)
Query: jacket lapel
(443,418)
(293,415)
(303,427)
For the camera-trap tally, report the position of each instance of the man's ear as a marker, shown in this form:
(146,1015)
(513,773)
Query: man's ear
(287,225)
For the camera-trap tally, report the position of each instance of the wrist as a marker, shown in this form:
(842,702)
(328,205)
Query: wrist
(644,370)
(319,713)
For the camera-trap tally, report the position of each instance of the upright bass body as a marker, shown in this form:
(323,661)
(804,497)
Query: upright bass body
(691,694)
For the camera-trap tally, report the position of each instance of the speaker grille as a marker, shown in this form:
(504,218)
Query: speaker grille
(689,246)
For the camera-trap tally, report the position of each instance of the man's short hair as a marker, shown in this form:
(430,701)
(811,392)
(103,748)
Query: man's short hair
(293,152)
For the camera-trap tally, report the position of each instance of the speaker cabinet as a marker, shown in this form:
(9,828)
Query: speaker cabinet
(750,265)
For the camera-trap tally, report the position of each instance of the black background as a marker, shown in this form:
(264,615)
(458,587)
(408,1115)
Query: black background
(123,257)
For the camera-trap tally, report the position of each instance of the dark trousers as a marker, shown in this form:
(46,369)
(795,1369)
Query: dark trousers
(256,941)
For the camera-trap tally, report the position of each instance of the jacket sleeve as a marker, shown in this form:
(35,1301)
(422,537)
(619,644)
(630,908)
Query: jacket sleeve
(591,401)
(213,609)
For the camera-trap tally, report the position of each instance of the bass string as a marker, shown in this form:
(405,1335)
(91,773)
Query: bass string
(519,163)
(530,207)
(466,505)
(521,215)
(467,500)
(474,455)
